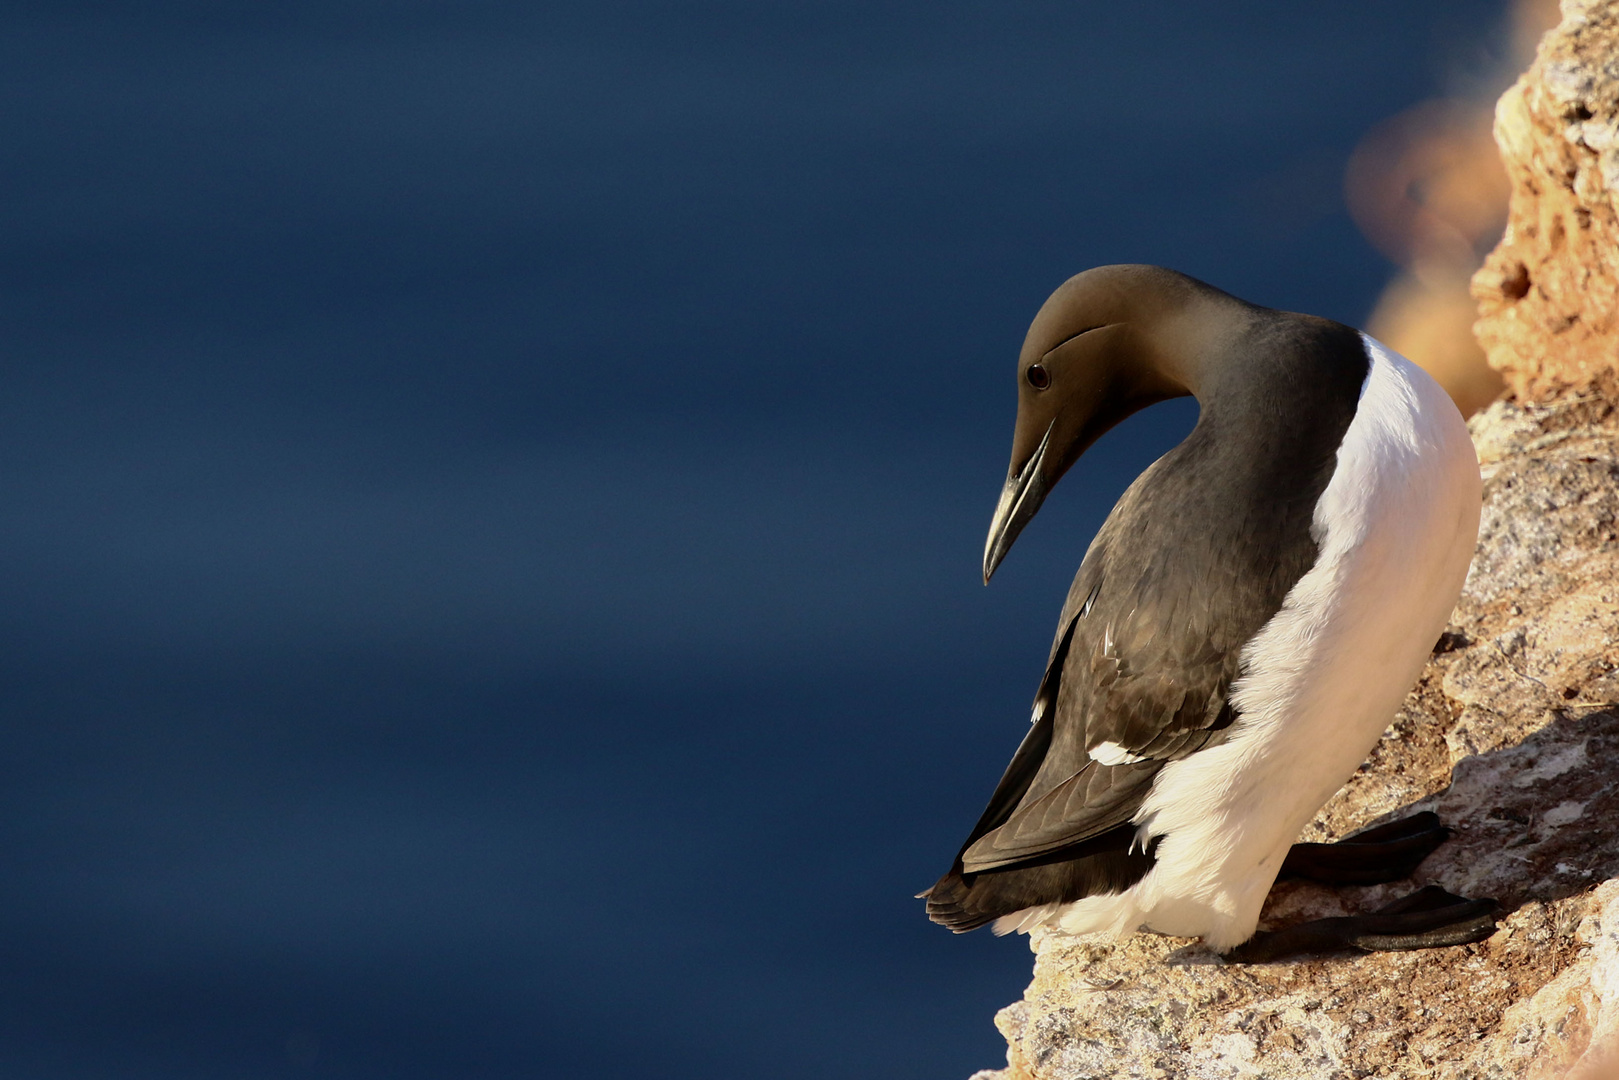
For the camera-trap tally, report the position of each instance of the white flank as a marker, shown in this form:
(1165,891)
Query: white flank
(1395,528)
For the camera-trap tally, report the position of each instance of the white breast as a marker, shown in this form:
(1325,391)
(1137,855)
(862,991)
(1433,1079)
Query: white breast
(1395,529)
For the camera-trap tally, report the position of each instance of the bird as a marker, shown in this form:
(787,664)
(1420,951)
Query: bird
(1240,632)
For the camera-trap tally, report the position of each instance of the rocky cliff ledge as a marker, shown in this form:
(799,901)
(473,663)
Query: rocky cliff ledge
(1512,735)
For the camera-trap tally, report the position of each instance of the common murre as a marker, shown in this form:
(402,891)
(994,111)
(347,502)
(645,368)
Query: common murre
(1241,630)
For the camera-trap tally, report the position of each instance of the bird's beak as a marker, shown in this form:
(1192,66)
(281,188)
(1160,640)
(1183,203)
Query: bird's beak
(1025,490)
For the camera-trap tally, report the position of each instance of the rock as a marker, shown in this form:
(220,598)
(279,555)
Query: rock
(1549,293)
(1508,734)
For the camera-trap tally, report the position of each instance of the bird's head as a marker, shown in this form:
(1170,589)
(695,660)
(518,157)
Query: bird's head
(1108,342)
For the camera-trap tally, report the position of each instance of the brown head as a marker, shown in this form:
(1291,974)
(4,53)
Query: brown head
(1107,343)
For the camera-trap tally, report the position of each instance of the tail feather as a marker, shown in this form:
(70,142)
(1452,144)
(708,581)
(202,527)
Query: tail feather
(1103,865)
(950,905)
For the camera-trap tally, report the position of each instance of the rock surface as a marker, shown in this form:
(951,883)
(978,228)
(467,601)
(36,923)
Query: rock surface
(1508,736)
(1549,294)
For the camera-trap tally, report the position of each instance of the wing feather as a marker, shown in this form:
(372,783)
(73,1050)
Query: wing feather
(1097,798)
(1138,672)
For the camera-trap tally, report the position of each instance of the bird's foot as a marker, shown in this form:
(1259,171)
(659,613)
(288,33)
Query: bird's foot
(1429,918)
(1387,853)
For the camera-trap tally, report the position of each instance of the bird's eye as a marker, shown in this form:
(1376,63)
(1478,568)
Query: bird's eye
(1038,376)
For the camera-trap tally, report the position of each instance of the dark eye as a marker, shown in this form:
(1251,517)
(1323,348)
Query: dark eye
(1038,377)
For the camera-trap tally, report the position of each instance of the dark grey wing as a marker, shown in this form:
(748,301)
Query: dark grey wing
(1140,677)
(1153,680)
(1087,804)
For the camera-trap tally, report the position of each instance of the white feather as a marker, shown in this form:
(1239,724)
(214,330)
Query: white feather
(1110,753)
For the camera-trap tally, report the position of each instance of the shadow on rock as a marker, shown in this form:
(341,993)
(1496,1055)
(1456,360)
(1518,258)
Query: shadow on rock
(1535,821)
(1538,821)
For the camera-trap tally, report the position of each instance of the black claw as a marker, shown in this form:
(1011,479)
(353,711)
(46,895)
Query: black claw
(1317,937)
(1387,853)
(1427,898)
(1426,821)
(1460,931)
(1429,918)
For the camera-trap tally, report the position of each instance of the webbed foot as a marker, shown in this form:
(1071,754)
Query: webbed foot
(1387,853)
(1429,918)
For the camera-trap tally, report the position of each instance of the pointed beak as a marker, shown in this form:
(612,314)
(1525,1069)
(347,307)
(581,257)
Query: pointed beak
(1025,491)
